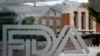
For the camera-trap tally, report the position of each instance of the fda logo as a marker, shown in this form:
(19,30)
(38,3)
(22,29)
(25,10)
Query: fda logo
(55,45)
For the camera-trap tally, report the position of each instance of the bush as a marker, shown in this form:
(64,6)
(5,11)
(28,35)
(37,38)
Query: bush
(37,37)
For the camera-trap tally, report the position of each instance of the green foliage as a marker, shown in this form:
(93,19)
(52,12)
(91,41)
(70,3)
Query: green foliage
(93,13)
(37,37)
(28,20)
(6,17)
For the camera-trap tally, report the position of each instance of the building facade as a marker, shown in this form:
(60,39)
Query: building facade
(81,19)
(52,19)
(84,23)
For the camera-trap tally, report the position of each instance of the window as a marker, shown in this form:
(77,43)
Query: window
(58,24)
(75,19)
(51,23)
(90,22)
(58,14)
(83,20)
(36,21)
(51,13)
(58,21)
(43,21)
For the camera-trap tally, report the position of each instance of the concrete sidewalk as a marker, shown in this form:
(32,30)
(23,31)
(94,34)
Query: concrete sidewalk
(93,52)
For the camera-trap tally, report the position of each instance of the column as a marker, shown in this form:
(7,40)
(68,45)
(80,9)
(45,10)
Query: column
(94,25)
(72,19)
(87,22)
(79,20)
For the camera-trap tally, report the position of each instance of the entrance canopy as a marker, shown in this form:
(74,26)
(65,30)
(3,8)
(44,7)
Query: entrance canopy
(23,1)
(33,9)
(30,10)
(28,7)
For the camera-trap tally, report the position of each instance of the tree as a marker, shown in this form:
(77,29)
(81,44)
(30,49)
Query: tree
(6,17)
(93,13)
(96,18)
(28,20)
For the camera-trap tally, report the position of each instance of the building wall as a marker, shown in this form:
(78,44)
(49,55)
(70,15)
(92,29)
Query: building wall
(80,19)
(97,27)
(65,20)
(51,22)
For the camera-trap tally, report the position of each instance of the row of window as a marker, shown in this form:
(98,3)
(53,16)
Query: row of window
(53,13)
(51,23)
(83,20)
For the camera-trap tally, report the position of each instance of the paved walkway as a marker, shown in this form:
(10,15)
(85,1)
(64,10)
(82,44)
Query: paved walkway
(93,52)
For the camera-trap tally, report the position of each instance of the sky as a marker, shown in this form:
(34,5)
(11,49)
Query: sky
(54,2)
(80,0)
